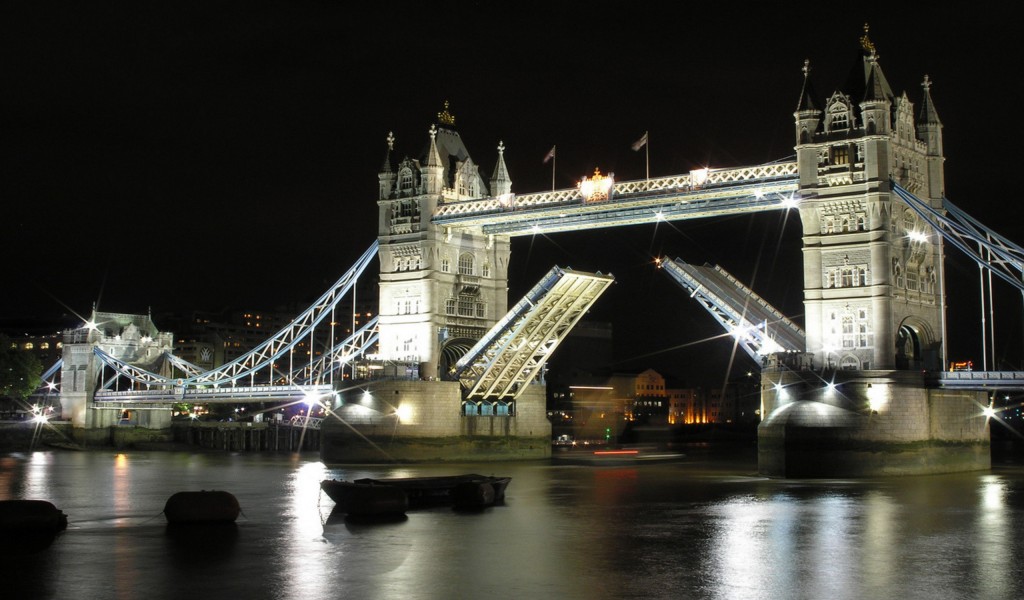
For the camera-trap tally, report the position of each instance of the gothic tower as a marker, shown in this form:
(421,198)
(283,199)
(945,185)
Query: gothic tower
(873,276)
(440,290)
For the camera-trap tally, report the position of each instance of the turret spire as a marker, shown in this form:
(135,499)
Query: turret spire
(501,183)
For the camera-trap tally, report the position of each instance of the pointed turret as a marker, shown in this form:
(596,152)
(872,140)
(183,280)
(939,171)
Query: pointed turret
(877,100)
(433,168)
(807,120)
(387,175)
(929,127)
(501,183)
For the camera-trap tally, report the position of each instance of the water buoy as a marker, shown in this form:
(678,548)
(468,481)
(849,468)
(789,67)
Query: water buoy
(202,507)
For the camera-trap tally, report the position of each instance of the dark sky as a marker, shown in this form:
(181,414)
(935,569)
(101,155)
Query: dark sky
(180,155)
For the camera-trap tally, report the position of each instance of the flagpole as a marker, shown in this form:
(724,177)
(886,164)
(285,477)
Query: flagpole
(648,144)
(554,161)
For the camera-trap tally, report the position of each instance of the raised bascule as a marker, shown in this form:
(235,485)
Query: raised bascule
(858,390)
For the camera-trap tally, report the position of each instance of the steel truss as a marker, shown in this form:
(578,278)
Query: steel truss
(514,351)
(758,327)
(261,358)
(699,194)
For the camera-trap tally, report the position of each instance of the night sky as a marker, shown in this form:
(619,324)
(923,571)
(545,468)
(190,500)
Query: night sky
(181,156)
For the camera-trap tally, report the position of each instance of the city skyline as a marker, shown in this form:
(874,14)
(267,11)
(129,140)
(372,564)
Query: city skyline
(198,157)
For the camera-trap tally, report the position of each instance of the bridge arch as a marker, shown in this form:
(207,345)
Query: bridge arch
(451,351)
(914,337)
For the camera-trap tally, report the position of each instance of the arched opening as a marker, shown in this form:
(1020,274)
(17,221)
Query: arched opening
(451,352)
(908,348)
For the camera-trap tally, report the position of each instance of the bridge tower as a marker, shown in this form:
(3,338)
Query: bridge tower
(130,338)
(441,289)
(873,277)
(873,297)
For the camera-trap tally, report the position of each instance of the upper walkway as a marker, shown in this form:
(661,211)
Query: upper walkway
(605,203)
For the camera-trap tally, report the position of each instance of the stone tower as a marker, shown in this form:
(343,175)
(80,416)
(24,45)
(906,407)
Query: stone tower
(873,276)
(440,289)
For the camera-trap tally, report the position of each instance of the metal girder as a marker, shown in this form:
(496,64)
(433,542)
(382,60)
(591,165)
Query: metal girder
(341,354)
(262,356)
(514,351)
(212,395)
(711,193)
(987,248)
(758,327)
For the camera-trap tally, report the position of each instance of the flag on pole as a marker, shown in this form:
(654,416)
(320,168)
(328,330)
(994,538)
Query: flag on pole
(640,143)
(549,155)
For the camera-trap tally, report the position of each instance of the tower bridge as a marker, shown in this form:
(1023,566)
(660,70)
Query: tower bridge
(864,398)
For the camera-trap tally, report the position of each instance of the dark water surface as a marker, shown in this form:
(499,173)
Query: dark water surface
(703,527)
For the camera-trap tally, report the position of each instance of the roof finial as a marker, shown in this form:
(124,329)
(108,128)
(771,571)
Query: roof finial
(501,148)
(865,42)
(445,117)
(391,141)
(927,84)
(807,67)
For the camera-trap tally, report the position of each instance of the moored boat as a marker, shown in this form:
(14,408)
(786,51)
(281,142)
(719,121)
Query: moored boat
(202,507)
(370,496)
(433,491)
(366,499)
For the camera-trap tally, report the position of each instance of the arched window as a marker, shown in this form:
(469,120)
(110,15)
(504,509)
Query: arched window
(405,182)
(466,264)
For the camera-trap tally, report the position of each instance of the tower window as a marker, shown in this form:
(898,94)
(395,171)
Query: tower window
(466,264)
(840,155)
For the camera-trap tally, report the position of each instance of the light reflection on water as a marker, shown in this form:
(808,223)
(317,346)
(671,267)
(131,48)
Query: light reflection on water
(692,529)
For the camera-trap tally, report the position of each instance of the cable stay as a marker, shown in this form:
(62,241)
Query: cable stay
(988,249)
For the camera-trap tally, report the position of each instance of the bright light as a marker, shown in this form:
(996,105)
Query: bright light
(90,325)
(536,228)
(830,386)
(989,412)
(310,398)
(367,396)
(40,418)
(790,201)
(596,188)
(403,412)
(917,236)
(778,386)
(876,398)
(699,177)
(759,193)
(660,216)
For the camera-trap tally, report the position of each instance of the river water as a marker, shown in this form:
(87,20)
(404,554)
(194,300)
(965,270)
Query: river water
(706,526)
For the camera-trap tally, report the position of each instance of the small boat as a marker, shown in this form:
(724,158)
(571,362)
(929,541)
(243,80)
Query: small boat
(202,507)
(366,499)
(370,496)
